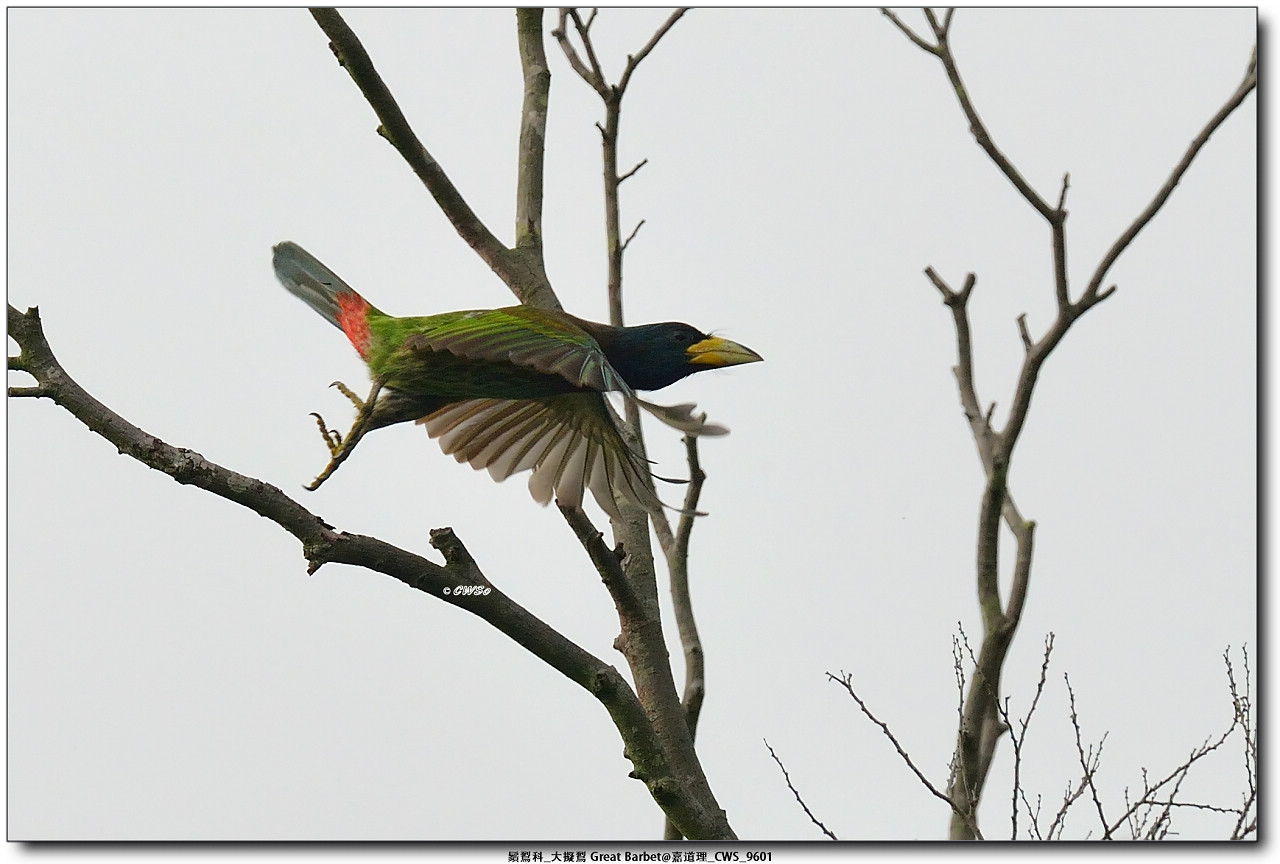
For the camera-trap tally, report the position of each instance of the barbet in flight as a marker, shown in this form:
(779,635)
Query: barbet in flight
(518,388)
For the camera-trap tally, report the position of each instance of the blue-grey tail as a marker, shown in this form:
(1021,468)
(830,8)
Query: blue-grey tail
(307,279)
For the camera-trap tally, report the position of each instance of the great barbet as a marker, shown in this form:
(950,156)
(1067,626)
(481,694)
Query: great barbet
(519,388)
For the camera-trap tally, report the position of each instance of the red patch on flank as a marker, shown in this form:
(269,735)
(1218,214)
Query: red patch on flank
(353,317)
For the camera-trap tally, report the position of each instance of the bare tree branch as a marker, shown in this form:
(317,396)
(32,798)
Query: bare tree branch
(908,32)
(1022,331)
(1243,710)
(533,132)
(634,60)
(1247,85)
(631,236)
(941,48)
(804,806)
(611,95)
(1150,801)
(1024,536)
(591,76)
(846,680)
(1070,797)
(957,667)
(608,562)
(677,556)
(322,544)
(1088,761)
(636,168)
(521,275)
(596,78)
(1019,739)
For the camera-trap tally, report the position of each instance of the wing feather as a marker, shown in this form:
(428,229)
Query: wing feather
(531,338)
(570,441)
(682,417)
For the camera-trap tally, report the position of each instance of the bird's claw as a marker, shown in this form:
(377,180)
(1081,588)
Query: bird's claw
(346,391)
(339,447)
(332,437)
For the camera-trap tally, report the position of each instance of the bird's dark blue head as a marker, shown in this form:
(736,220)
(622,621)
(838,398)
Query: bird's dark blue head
(651,356)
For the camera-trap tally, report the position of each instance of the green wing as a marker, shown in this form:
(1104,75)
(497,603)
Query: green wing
(492,352)
(524,390)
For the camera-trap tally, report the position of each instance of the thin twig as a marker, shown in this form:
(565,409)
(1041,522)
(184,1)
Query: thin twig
(1150,789)
(1070,797)
(681,598)
(637,167)
(1092,294)
(1019,739)
(1193,806)
(634,60)
(1089,763)
(957,668)
(846,680)
(631,236)
(807,811)
(942,50)
(1243,709)
(908,32)
(596,78)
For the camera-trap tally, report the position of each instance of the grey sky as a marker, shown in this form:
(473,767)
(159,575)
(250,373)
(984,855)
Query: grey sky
(173,672)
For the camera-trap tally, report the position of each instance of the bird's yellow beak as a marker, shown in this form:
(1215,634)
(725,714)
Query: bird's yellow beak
(714,351)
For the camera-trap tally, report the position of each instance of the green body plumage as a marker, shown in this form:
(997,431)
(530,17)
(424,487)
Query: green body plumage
(461,355)
(518,388)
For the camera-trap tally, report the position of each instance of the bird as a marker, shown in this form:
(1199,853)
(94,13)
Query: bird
(519,388)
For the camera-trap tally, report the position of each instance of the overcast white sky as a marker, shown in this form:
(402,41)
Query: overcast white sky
(175,674)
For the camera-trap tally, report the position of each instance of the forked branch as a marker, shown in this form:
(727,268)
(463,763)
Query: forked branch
(522,273)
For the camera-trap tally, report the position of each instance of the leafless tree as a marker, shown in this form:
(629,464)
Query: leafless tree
(655,726)
(983,718)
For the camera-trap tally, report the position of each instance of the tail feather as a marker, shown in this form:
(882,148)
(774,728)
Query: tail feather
(324,291)
(310,281)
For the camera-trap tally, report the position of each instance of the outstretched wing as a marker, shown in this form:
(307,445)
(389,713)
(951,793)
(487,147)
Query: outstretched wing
(500,417)
(570,441)
(549,343)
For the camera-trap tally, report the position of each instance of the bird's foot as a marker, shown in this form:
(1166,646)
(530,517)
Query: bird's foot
(332,437)
(355,400)
(340,447)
